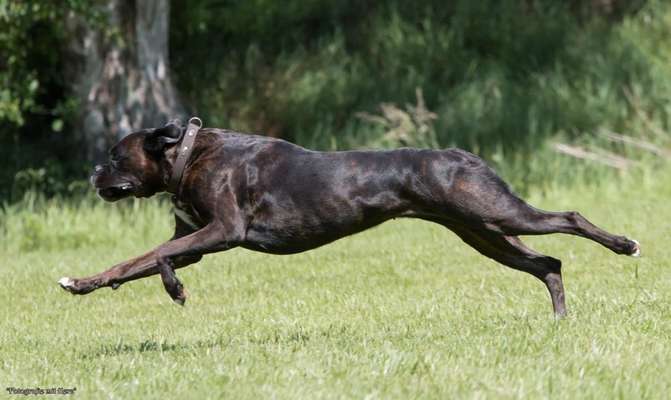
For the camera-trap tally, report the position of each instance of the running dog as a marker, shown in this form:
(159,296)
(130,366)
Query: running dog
(232,189)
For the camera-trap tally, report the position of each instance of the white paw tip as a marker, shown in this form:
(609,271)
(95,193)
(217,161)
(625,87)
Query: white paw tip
(66,282)
(637,249)
(179,301)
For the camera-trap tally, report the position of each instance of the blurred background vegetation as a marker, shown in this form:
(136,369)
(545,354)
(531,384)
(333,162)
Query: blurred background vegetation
(549,92)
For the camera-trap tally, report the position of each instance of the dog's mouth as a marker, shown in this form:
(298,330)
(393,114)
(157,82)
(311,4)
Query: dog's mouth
(116,192)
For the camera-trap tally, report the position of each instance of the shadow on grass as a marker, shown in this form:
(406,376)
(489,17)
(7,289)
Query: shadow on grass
(296,336)
(149,346)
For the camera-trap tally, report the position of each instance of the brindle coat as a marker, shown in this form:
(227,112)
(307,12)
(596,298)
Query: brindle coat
(272,196)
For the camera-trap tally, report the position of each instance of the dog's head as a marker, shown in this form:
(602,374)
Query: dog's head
(137,164)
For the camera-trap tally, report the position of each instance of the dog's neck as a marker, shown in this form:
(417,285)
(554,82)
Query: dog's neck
(182,153)
(167,166)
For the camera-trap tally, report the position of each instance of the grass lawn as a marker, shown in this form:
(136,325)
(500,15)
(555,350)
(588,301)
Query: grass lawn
(405,310)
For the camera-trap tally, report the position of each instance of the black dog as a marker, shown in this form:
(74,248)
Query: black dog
(275,197)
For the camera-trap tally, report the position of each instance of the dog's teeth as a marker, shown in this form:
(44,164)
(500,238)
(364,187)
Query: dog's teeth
(637,250)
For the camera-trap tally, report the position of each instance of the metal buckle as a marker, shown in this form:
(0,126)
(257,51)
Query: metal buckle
(199,124)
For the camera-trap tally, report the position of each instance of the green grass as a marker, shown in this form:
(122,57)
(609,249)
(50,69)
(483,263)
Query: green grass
(404,310)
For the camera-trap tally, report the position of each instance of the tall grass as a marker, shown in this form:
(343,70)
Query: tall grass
(56,224)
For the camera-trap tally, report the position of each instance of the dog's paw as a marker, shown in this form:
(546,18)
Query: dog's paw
(67,284)
(78,286)
(636,252)
(181,296)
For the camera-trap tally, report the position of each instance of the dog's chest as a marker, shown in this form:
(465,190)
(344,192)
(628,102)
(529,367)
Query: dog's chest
(186,214)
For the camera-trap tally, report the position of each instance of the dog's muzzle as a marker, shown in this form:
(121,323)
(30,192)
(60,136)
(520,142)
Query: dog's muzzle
(97,170)
(109,185)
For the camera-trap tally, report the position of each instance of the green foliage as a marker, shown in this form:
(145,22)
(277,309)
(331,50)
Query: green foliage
(32,38)
(36,106)
(403,311)
(19,84)
(503,77)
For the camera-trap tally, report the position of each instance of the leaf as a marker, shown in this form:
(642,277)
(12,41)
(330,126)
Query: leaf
(33,85)
(57,125)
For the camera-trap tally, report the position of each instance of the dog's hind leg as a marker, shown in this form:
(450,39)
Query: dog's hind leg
(527,220)
(510,251)
(482,197)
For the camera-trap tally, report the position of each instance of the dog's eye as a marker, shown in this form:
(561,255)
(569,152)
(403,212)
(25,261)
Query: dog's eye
(118,162)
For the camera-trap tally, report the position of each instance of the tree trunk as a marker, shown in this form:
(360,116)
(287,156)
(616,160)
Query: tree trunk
(120,72)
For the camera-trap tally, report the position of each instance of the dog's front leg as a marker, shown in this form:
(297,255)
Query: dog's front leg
(135,268)
(207,240)
(164,259)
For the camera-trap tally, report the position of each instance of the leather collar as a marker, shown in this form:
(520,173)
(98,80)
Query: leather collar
(184,149)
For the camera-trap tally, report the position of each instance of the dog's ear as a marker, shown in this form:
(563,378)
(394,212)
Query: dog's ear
(160,138)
